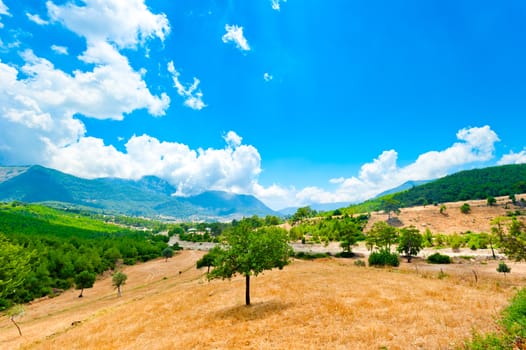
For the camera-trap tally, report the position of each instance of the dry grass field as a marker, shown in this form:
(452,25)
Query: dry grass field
(323,304)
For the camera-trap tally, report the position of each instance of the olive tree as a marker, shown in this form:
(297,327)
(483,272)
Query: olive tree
(167,253)
(410,242)
(247,251)
(85,279)
(118,280)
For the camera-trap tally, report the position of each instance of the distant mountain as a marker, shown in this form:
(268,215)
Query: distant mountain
(149,196)
(405,186)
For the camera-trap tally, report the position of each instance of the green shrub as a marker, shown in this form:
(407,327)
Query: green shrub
(360,263)
(383,258)
(311,256)
(438,258)
(344,255)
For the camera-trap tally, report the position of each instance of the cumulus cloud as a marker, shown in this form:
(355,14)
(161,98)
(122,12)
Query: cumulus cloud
(36,19)
(192,95)
(61,50)
(513,158)
(276,4)
(123,23)
(233,139)
(234,168)
(235,35)
(39,102)
(476,144)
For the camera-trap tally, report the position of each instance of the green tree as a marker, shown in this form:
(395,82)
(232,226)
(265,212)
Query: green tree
(443,209)
(381,236)
(167,253)
(465,208)
(85,279)
(208,259)
(249,252)
(118,280)
(491,201)
(14,266)
(389,206)
(410,242)
(303,213)
(349,233)
(503,268)
(511,234)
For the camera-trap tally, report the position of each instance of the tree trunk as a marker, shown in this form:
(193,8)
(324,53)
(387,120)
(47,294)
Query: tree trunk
(19,331)
(119,291)
(247,289)
(409,256)
(81,291)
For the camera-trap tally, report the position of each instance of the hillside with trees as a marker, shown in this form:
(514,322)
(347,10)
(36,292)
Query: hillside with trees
(54,249)
(505,180)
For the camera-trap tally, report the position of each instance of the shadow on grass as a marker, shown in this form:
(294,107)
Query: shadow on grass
(254,311)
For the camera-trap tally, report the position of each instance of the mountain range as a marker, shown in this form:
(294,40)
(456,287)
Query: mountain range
(149,196)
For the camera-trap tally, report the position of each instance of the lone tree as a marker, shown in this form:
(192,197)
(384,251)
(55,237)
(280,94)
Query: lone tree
(15,312)
(465,208)
(390,205)
(503,268)
(85,279)
(14,266)
(247,251)
(411,242)
(118,280)
(350,232)
(168,253)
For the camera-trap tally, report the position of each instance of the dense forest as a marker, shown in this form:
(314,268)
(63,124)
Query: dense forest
(63,244)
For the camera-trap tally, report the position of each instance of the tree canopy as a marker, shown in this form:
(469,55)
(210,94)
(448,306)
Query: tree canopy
(14,266)
(247,251)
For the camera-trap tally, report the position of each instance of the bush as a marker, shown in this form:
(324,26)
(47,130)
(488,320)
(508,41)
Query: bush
(383,258)
(438,258)
(311,256)
(344,255)
(360,263)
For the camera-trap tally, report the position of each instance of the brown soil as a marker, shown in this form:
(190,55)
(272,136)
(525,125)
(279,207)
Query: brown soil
(452,220)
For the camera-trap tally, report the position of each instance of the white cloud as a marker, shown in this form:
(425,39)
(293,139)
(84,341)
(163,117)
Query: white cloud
(123,23)
(276,4)
(193,96)
(513,158)
(268,77)
(4,11)
(233,169)
(233,139)
(475,145)
(36,19)
(234,34)
(38,102)
(61,50)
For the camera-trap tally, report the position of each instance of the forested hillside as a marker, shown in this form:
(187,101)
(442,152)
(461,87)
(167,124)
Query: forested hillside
(60,245)
(465,185)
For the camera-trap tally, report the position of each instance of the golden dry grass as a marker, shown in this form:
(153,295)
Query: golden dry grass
(324,304)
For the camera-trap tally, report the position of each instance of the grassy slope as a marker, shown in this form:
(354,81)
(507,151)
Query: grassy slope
(308,305)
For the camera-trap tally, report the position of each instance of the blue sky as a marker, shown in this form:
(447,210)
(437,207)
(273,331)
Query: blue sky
(296,102)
